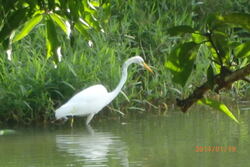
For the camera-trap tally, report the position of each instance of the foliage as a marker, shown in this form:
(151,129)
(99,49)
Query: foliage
(228,51)
(20,17)
(31,87)
(218,106)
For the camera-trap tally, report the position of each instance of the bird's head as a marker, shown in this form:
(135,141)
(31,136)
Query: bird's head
(139,60)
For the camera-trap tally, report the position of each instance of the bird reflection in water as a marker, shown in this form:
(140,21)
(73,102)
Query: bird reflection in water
(94,148)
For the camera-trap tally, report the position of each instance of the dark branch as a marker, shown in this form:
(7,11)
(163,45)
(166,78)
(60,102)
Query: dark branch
(221,81)
(246,79)
(209,35)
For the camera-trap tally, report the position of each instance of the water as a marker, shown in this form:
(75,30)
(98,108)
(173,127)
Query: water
(176,139)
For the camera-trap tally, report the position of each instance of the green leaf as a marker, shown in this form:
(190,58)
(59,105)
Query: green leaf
(210,76)
(95,3)
(218,106)
(198,37)
(243,50)
(12,22)
(52,42)
(60,22)
(28,26)
(91,21)
(82,29)
(180,61)
(88,8)
(236,19)
(179,30)
(220,46)
(106,11)
(220,41)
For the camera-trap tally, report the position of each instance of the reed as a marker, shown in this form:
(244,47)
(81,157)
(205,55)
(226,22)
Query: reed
(31,87)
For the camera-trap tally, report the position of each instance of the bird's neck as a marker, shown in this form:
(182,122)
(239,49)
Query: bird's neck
(117,90)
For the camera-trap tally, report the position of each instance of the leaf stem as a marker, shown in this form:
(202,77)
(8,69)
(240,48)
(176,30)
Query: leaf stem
(209,35)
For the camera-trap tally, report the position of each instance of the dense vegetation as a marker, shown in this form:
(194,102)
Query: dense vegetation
(31,87)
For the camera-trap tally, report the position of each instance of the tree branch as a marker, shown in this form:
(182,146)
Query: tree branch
(220,81)
(246,79)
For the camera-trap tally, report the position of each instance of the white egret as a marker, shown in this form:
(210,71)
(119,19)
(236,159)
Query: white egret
(91,100)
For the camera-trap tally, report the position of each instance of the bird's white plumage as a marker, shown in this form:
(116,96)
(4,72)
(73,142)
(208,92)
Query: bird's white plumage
(89,100)
(93,99)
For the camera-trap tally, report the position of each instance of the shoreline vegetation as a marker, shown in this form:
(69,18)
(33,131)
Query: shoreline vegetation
(31,87)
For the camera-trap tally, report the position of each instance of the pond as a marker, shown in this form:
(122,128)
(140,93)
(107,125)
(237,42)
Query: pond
(197,138)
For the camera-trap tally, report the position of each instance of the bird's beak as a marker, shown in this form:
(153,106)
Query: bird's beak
(147,67)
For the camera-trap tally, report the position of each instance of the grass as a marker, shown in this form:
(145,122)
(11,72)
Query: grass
(31,88)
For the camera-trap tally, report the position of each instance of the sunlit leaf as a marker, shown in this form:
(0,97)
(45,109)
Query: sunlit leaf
(180,61)
(95,3)
(28,26)
(82,29)
(198,37)
(243,50)
(218,106)
(91,21)
(60,21)
(88,7)
(178,30)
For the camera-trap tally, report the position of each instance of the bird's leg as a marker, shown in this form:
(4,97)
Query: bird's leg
(90,129)
(72,121)
(89,118)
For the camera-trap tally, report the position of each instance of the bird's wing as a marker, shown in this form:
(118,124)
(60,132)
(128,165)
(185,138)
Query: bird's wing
(89,94)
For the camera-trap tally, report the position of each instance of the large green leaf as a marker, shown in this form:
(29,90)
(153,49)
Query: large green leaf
(52,42)
(243,50)
(236,19)
(28,26)
(178,30)
(221,44)
(60,21)
(219,47)
(218,106)
(198,38)
(180,61)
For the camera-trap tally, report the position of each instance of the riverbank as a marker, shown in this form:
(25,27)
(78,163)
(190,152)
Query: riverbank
(31,87)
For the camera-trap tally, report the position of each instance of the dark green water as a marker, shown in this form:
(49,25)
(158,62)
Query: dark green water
(177,139)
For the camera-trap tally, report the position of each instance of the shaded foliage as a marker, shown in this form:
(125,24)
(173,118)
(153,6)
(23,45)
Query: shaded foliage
(227,51)
(19,17)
